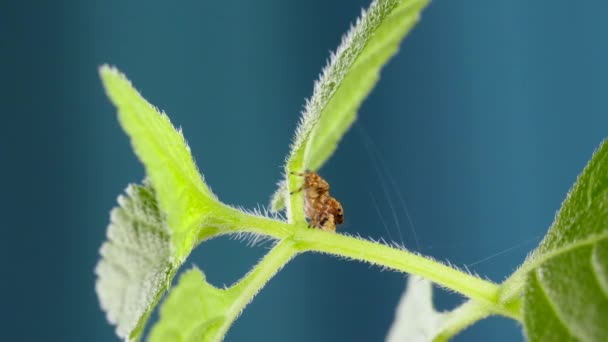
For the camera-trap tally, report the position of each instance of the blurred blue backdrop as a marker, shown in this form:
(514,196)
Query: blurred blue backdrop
(484,119)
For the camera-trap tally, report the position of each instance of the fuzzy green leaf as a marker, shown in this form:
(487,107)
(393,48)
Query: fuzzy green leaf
(565,280)
(135,267)
(347,79)
(416,319)
(180,189)
(192,311)
(277,201)
(197,311)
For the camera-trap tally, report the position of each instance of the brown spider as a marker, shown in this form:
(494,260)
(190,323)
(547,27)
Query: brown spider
(321,209)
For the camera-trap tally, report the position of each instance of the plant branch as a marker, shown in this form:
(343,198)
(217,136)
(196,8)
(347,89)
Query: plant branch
(399,260)
(306,239)
(461,318)
(244,290)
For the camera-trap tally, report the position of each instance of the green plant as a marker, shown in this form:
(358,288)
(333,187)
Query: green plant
(559,293)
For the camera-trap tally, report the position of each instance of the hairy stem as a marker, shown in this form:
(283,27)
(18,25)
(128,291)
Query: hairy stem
(306,239)
(250,284)
(461,318)
(400,260)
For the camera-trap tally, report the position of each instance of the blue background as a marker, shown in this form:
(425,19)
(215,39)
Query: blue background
(484,119)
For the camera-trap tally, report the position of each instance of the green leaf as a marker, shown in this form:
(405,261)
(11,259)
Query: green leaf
(416,319)
(181,192)
(565,280)
(135,267)
(192,311)
(197,311)
(347,79)
(277,201)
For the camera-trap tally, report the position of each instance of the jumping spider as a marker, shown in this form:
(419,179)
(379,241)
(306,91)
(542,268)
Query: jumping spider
(322,210)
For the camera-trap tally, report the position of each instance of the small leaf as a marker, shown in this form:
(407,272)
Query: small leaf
(416,318)
(347,79)
(181,192)
(192,311)
(565,293)
(277,202)
(197,311)
(135,267)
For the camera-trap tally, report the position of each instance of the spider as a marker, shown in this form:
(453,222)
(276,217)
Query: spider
(322,210)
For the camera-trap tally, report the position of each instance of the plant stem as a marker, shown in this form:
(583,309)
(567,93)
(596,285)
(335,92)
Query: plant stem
(244,290)
(400,260)
(305,239)
(460,318)
(355,248)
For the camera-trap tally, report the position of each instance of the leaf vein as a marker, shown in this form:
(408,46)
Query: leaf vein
(596,267)
(550,303)
(535,263)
